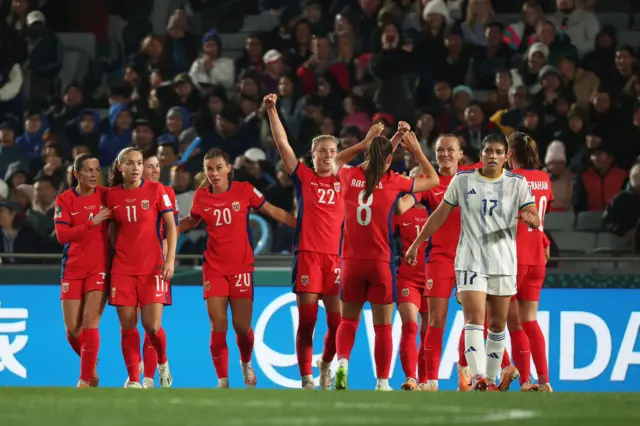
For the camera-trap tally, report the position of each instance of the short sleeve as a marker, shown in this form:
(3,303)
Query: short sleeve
(404,183)
(195,206)
(302,173)
(525,197)
(451,197)
(256,199)
(61,213)
(163,202)
(342,172)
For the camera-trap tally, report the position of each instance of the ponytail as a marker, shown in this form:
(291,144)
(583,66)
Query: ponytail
(201,180)
(525,150)
(379,150)
(115,175)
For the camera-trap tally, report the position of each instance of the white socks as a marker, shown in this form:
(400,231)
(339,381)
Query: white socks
(474,349)
(495,349)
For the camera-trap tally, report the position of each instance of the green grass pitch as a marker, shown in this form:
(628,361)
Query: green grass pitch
(194,407)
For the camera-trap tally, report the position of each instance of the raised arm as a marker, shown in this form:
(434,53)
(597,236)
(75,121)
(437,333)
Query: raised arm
(403,129)
(435,221)
(404,204)
(347,155)
(430,177)
(278,214)
(280,135)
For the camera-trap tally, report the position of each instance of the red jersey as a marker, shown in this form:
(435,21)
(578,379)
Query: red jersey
(320,211)
(368,232)
(408,226)
(530,243)
(176,211)
(229,248)
(86,247)
(137,214)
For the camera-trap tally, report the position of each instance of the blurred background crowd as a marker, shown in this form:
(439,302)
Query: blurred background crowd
(180,77)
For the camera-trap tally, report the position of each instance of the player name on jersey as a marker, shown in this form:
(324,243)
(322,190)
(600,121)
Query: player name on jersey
(539,185)
(355,183)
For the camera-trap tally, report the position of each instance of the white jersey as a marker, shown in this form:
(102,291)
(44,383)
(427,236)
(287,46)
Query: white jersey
(489,210)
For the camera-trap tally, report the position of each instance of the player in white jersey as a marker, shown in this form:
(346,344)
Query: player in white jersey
(491,200)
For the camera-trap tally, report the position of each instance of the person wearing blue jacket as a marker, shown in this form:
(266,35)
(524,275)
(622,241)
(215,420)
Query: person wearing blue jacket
(35,126)
(119,135)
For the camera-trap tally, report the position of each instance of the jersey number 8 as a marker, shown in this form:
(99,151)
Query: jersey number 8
(364,209)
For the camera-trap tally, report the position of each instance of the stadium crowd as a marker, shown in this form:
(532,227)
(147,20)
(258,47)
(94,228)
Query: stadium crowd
(444,66)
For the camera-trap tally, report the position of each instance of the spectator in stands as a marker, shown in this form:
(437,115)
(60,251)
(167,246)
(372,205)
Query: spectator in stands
(624,74)
(182,183)
(274,68)
(54,168)
(365,18)
(594,188)
(600,60)
(181,46)
(280,38)
(11,75)
(86,131)
(436,18)
(45,57)
(177,121)
(17,18)
(312,10)
(573,136)
(452,67)
(582,83)
(10,153)
(118,136)
(213,100)
(252,167)
(479,16)
(427,132)
(17,237)
(492,59)
(557,42)
(143,136)
(453,116)
(168,155)
(35,125)
(520,35)
(184,94)
(527,74)
(230,133)
(320,61)
(211,68)
(499,98)
(40,214)
(154,56)
(561,177)
(281,194)
(474,130)
(18,173)
(622,214)
(580,25)
(251,59)
(67,112)
(533,124)
(4,190)
(606,113)
(629,147)
(509,118)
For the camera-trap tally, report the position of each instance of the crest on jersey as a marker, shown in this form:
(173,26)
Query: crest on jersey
(65,287)
(236,206)
(336,186)
(304,280)
(429,284)
(405,292)
(207,285)
(145,204)
(113,292)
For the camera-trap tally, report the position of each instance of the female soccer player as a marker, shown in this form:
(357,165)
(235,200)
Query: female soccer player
(490,200)
(140,272)
(316,265)
(224,206)
(533,252)
(370,194)
(80,221)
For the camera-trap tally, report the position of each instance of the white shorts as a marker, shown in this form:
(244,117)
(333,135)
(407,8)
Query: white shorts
(494,285)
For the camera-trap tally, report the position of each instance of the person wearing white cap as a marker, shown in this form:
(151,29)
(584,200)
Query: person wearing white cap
(537,57)
(561,177)
(274,68)
(45,56)
(210,68)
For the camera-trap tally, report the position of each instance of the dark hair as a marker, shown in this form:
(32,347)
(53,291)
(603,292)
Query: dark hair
(45,178)
(55,147)
(115,175)
(201,178)
(495,138)
(379,150)
(148,154)
(525,150)
(78,164)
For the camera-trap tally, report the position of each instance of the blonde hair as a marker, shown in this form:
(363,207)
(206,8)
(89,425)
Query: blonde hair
(322,138)
(471,19)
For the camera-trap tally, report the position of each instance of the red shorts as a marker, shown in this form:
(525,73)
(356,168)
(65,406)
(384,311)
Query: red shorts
(530,279)
(411,290)
(138,290)
(441,280)
(371,281)
(238,286)
(316,273)
(75,289)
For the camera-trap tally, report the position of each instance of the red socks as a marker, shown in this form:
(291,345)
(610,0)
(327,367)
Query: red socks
(131,353)
(307,316)
(220,353)
(506,361)
(408,348)
(159,342)
(383,350)
(89,353)
(346,337)
(462,359)
(333,322)
(245,345)
(422,362)
(538,349)
(433,351)
(150,357)
(75,342)
(521,354)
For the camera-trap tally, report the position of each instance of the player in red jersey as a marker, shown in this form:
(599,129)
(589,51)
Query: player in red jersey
(81,226)
(532,252)
(316,265)
(224,206)
(370,194)
(140,271)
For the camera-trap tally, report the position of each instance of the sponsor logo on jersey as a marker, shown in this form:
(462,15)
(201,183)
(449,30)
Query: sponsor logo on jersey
(207,285)
(429,284)
(405,292)
(236,206)
(65,287)
(336,186)
(58,214)
(304,280)
(472,192)
(145,204)
(167,201)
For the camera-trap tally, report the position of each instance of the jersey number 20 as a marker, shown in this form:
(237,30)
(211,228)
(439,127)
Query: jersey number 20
(363,212)
(542,209)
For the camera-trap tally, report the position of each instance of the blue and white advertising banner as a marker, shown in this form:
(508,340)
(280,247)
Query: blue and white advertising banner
(592,337)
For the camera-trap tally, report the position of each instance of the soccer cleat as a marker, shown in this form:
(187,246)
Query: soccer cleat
(223,383)
(133,385)
(165,375)
(83,384)
(410,384)
(250,380)
(464,379)
(147,383)
(545,387)
(140,369)
(341,378)
(307,383)
(491,387)
(480,384)
(528,387)
(383,388)
(427,387)
(326,380)
(507,376)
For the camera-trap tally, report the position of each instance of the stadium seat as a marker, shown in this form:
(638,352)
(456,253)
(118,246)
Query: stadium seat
(618,20)
(103,112)
(160,15)
(574,242)
(70,65)
(85,42)
(558,221)
(589,221)
(629,37)
(264,22)
(610,243)
(233,41)
(232,54)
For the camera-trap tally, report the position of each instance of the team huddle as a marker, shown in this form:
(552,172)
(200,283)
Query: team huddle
(476,228)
